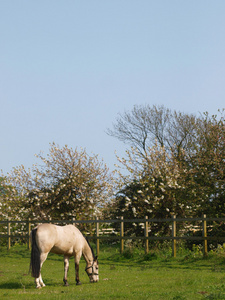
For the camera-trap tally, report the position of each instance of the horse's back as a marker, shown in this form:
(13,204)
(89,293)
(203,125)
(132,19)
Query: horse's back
(59,239)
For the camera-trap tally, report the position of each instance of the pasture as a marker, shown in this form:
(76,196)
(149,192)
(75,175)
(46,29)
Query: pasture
(132,275)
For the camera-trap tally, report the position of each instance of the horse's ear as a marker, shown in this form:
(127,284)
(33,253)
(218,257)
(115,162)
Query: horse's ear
(96,257)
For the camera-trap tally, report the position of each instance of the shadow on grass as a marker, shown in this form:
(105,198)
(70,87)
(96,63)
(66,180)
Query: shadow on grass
(15,286)
(153,261)
(11,285)
(30,286)
(16,252)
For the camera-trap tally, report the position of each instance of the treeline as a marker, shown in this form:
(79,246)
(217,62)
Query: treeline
(175,164)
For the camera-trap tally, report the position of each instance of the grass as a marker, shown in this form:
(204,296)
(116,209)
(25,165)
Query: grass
(129,276)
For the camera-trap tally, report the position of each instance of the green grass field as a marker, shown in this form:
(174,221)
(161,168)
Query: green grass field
(131,276)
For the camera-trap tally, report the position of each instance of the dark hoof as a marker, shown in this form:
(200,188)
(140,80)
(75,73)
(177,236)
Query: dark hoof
(65,283)
(78,283)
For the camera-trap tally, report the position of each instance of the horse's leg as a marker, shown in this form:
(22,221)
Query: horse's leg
(39,281)
(66,269)
(77,260)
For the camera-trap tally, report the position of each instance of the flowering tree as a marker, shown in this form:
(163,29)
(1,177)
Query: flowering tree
(206,168)
(67,183)
(181,172)
(152,187)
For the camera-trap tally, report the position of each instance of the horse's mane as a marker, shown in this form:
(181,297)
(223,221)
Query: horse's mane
(90,247)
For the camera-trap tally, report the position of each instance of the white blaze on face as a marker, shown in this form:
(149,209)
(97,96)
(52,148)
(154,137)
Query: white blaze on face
(95,271)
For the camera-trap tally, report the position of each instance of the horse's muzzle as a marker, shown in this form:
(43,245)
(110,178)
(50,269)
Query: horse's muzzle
(94,280)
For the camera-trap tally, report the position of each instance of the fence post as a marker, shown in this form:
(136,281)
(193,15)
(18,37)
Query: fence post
(174,242)
(204,235)
(29,231)
(9,234)
(122,235)
(146,235)
(97,236)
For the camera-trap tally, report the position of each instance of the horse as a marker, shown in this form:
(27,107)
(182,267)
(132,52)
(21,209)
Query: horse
(65,240)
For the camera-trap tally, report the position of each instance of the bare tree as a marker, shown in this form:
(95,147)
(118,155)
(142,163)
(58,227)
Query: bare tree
(145,125)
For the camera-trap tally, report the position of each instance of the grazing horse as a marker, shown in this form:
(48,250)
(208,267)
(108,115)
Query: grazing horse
(66,240)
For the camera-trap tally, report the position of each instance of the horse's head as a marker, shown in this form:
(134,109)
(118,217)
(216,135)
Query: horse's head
(92,270)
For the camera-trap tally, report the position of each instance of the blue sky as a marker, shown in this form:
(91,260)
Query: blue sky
(67,68)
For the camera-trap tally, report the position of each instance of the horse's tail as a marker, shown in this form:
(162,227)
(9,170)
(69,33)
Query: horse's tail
(35,262)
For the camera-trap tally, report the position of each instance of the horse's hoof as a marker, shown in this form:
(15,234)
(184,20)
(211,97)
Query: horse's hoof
(78,283)
(65,282)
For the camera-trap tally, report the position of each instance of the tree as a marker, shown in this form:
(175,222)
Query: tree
(206,169)
(67,183)
(152,187)
(144,125)
(175,164)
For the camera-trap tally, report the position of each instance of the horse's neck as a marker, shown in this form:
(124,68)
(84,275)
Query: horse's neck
(87,253)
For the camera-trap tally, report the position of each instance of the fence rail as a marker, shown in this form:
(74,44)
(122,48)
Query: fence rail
(100,234)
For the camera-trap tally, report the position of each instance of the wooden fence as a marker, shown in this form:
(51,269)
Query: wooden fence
(100,234)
